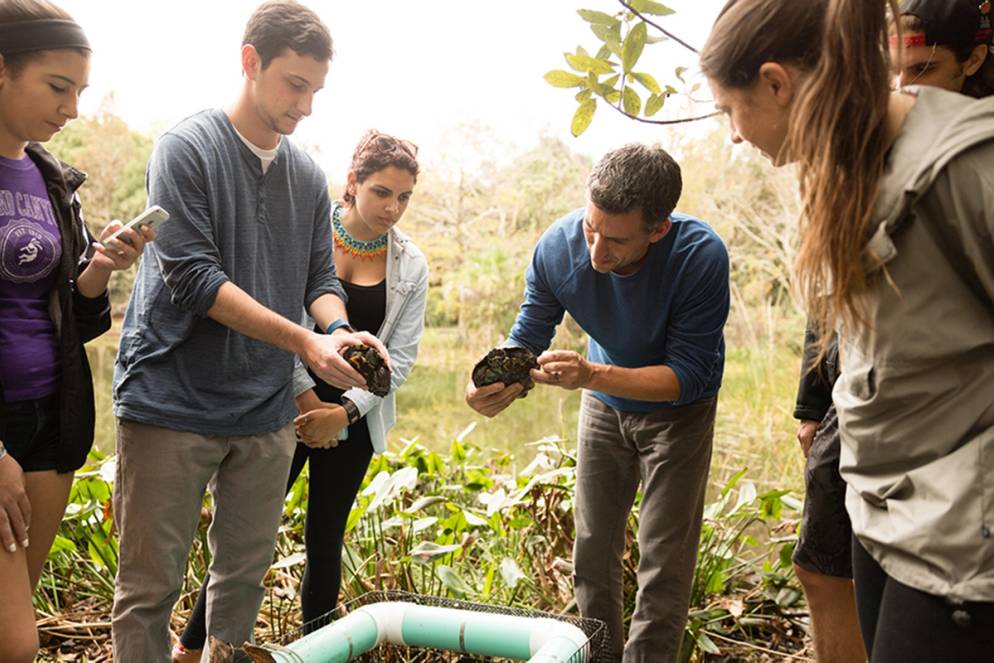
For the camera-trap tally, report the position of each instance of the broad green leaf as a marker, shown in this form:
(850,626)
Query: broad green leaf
(631,101)
(592,16)
(604,53)
(612,81)
(583,116)
(452,580)
(651,8)
(648,82)
(583,95)
(654,103)
(585,63)
(604,90)
(707,644)
(62,544)
(607,33)
(613,97)
(560,78)
(632,48)
(458,451)
(738,475)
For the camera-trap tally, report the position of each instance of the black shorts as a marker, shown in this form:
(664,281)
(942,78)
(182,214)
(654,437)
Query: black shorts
(825,543)
(30,432)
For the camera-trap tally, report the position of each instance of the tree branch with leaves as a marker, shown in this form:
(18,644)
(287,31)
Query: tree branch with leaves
(611,75)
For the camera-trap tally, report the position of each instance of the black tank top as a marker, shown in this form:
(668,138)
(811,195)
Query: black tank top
(366,307)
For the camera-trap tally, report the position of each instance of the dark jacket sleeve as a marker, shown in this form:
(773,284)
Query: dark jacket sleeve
(91,316)
(814,393)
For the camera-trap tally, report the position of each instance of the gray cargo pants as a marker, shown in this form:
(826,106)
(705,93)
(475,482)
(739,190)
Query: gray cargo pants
(669,451)
(161,478)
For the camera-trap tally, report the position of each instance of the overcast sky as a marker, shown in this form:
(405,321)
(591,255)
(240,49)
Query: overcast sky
(414,68)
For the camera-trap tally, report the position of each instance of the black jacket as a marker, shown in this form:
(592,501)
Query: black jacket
(77,318)
(814,393)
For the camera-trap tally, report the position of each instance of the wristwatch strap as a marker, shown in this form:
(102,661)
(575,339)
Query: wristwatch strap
(351,410)
(339,324)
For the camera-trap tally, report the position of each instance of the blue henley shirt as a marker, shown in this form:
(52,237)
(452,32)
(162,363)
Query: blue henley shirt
(671,312)
(268,234)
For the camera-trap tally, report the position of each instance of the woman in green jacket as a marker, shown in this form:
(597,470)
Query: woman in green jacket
(897,254)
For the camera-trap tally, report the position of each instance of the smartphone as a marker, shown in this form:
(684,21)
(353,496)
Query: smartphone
(153,217)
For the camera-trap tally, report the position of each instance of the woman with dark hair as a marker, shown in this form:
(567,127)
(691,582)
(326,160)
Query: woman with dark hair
(386,278)
(945,43)
(53,298)
(896,254)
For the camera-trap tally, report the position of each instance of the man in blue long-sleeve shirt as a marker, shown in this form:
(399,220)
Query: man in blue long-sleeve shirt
(203,380)
(650,288)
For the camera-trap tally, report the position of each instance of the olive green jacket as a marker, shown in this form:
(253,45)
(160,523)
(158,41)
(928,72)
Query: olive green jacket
(916,394)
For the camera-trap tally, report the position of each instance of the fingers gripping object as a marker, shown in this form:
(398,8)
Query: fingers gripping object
(507,366)
(371,366)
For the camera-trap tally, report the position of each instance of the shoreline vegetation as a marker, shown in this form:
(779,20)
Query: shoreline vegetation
(478,509)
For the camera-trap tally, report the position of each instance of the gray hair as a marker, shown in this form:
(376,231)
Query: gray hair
(637,176)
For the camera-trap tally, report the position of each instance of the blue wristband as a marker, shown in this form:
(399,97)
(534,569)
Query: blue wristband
(338,324)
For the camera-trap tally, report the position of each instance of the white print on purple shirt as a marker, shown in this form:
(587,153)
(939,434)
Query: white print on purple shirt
(29,251)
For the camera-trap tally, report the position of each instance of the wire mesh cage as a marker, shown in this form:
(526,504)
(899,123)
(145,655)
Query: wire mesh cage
(591,651)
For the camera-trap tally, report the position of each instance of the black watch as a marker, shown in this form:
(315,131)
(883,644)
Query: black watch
(351,410)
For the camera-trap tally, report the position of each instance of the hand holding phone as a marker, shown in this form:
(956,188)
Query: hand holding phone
(152,218)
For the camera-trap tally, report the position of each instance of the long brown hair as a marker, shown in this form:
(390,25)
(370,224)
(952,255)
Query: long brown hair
(838,131)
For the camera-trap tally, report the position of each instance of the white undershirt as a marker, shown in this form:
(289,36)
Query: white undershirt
(265,156)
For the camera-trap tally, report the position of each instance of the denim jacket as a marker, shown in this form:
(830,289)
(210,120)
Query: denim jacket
(403,324)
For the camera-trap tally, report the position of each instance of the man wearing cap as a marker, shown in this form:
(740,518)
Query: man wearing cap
(946,44)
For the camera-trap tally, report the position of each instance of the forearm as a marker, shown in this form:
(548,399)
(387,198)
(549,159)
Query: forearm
(93,281)
(326,309)
(655,384)
(234,308)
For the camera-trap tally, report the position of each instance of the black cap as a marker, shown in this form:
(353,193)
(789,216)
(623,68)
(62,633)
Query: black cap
(958,24)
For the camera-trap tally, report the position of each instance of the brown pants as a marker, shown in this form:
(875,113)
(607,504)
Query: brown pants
(161,478)
(669,452)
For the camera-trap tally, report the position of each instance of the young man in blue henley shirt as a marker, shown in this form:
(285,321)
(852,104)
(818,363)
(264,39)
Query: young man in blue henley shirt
(203,380)
(650,288)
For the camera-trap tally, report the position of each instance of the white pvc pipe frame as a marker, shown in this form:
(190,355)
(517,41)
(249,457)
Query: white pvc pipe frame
(537,640)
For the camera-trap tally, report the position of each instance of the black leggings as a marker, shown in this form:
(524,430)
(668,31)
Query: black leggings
(335,477)
(905,625)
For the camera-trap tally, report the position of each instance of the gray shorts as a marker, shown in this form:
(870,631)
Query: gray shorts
(825,543)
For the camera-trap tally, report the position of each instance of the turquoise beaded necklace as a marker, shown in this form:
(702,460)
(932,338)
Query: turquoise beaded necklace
(360,248)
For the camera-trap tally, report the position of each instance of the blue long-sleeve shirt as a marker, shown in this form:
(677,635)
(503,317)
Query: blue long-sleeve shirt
(266,233)
(671,312)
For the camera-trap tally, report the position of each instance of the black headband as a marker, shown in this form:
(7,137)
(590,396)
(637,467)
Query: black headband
(41,35)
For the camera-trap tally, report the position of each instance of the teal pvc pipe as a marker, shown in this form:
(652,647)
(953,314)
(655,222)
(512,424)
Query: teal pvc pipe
(338,642)
(540,640)
(469,632)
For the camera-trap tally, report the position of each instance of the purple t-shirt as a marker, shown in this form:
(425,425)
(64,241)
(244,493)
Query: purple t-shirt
(30,250)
